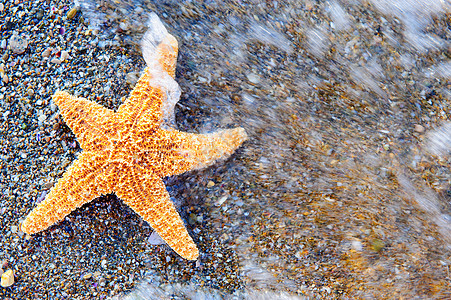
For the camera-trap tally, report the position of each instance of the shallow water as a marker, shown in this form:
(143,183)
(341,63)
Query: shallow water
(343,189)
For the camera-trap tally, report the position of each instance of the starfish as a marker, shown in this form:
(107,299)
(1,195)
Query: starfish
(129,151)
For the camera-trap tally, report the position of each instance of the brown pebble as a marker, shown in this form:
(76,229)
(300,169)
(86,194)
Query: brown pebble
(71,13)
(377,245)
(47,185)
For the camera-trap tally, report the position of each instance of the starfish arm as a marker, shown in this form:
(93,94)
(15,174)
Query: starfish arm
(145,108)
(82,182)
(147,196)
(167,52)
(142,110)
(202,150)
(89,121)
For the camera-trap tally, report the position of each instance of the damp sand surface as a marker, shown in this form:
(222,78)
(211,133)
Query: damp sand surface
(342,190)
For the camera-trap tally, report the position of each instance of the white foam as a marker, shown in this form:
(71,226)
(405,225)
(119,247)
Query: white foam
(317,41)
(416,15)
(269,35)
(95,16)
(442,70)
(369,78)
(152,289)
(426,200)
(439,140)
(160,78)
(339,16)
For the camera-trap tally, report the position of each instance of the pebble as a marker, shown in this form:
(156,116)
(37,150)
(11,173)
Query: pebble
(42,118)
(225,236)
(64,55)
(192,218)
(419,128)
(55,61)
(1,7)
(357,245)
(254,78)
(46,52)
(7,278)
(14,229)
(123,25)
(3,44)
(87,276)
(222,200)
(30,92)
(155,239)
(210,184)
(48,185)
(39,14)
(71,13)
(18,44)
(5,78)
(377,245)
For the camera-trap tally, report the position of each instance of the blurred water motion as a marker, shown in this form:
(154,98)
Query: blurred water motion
(344,187)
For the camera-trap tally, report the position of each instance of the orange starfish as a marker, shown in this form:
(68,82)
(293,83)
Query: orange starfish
(128,152)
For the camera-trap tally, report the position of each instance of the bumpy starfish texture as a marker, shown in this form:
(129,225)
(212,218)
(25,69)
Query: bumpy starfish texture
(128,152)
